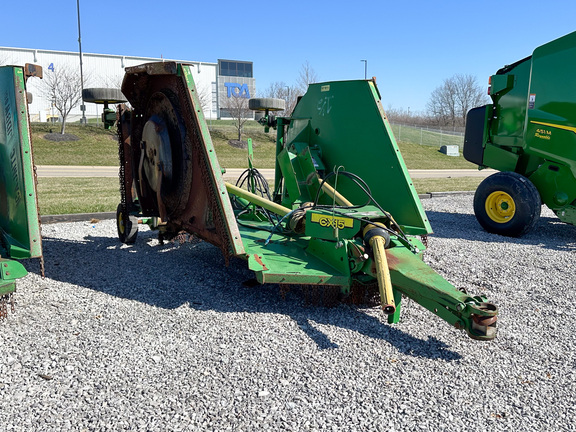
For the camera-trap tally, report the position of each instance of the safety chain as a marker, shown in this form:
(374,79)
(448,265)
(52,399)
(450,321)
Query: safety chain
(37,206)
(121,156)
(39,225)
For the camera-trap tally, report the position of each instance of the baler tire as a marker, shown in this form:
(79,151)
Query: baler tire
(101,95)
(127,226)
(508,204)
(263,104)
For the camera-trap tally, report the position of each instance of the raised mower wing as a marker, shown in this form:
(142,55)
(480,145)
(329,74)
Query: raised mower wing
(19,221)
(174,166)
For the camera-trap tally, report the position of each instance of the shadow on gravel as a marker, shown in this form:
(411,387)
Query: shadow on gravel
(549,232)
(194,274)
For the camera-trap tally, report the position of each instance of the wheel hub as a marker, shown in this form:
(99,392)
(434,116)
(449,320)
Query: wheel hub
(121,226)
(500,207)
(157,153)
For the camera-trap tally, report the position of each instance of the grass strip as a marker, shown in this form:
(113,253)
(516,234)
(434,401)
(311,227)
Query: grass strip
(97,146)
(68,195)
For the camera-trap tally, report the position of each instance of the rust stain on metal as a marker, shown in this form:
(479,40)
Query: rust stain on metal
(393,261)
(259,261)
(158,68)
(32,70)
(192,201)
(484,320)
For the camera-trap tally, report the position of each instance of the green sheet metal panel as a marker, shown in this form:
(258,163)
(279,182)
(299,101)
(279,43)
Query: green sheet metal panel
(509,93)
(347,122)
(285,260)
(215,171)
(551,114)
(19,223)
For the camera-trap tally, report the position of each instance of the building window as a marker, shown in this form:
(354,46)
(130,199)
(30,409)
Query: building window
(236,69)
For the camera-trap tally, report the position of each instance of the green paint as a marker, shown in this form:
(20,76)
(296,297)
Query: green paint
(215,171)
(345,122)
(19,223)
(324,134)
(337,131)
(530,127)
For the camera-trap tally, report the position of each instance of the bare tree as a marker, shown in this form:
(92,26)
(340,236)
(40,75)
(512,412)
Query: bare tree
(114,82)
(237,108)
(398,115)
(469,95)
(63,87)
(307,76)
(450,102)
(205,97)
(290,94)
(280,90)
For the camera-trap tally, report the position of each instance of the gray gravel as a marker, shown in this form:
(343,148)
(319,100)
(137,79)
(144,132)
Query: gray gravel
(159,338)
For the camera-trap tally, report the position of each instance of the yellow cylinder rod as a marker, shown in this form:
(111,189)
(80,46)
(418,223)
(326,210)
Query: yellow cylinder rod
(258,200)
(378,245)
(340,199)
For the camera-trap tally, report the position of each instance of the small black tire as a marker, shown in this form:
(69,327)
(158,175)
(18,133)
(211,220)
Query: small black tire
(508,204)
(127,225)
(102,95)
(270,104)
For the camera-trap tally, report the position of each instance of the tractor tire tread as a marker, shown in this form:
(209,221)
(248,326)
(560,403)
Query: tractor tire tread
(526,199)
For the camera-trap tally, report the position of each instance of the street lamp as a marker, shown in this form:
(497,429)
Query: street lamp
(365,68)
(82,106)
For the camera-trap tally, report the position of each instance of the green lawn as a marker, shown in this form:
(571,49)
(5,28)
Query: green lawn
(426,157)
(446,184)
(68,195)
(101,194)
(97,146)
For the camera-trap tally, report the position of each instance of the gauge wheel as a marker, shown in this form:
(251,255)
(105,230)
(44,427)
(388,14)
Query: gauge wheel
(270,104)
(508,204)
(103,95)
(127,225)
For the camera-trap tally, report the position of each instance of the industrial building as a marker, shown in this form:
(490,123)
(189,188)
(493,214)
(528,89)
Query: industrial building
(216,82)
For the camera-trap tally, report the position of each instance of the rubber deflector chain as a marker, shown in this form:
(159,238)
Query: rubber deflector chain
(5,300)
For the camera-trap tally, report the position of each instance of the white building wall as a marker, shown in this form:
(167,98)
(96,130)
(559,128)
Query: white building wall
(99,70)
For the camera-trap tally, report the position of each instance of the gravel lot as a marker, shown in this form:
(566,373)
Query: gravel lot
(166,338)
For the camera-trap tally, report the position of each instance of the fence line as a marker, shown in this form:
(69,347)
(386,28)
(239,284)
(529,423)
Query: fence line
(427,136)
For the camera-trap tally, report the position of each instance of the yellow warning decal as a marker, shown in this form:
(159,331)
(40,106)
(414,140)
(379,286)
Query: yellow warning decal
(332,221)
(325,88)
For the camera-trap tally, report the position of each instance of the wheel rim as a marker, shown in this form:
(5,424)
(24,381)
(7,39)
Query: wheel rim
(121,227)
(500,207)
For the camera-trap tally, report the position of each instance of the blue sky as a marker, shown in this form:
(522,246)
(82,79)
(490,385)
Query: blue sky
(411,46)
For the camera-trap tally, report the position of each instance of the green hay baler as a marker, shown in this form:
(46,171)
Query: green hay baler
(529,134)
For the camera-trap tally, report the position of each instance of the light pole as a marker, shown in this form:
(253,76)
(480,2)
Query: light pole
(82,107)
(288,100)
(365,68)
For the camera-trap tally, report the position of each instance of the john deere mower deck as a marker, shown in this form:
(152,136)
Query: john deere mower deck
(343,212)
